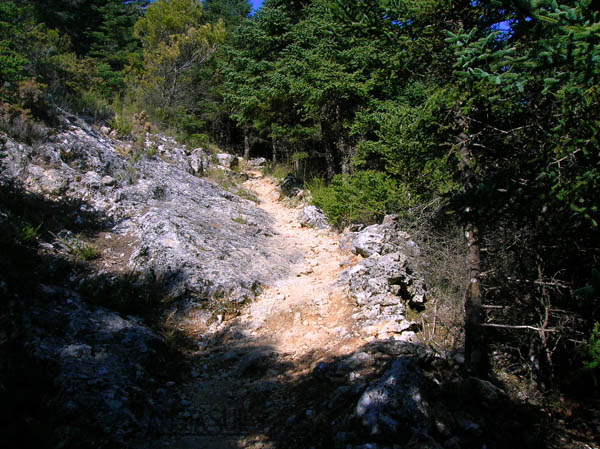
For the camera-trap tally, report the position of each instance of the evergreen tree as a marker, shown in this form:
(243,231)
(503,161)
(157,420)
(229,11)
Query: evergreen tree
(175,43)
(231,12)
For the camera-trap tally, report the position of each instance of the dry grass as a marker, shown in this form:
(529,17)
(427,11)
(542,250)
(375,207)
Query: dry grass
(444,267)
(230,181)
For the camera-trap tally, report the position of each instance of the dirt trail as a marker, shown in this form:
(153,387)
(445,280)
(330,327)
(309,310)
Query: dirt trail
(243,378)
(308,311)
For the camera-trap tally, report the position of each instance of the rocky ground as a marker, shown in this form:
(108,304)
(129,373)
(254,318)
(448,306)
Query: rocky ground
(254,358)
(145,306)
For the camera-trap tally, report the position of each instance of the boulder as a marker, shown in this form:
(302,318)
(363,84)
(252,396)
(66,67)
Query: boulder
(291,186)
(396,405)
(258,162)
(226,159)
(313,217)
(100,362)
(368,242)
(199,161)
(382,239)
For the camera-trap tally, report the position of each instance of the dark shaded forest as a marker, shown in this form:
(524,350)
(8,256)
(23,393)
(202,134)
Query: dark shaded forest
(465,118)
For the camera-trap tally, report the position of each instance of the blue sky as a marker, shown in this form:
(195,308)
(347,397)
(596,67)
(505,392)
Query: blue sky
(256,4)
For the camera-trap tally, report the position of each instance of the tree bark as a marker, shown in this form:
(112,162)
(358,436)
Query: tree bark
(330,163)
(345,155)
(327,134)
(246,145)
(474,341)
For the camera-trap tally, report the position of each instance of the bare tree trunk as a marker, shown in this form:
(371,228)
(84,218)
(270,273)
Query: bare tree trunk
(474,342)
(246,145)
(345,155)
(274,152)
(329,151)
(330,163)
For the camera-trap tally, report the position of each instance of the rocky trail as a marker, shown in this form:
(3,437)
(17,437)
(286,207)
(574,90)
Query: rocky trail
(149,305)
(169,310)
(240,382)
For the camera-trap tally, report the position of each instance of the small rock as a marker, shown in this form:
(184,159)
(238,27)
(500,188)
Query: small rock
(108,181)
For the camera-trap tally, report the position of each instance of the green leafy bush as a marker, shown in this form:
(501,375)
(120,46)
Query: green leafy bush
(363,197)
(592,348)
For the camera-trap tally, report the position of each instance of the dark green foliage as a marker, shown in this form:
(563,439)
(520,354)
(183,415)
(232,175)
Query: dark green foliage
(406,137)
(93,24)
(60,53)
(592,348)
(232,12)
(12,62)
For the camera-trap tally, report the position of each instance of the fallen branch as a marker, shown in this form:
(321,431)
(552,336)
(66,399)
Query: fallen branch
(508,326)
(538,282)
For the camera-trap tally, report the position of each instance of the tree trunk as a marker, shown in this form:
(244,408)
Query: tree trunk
(274,152)
(246,145)
(345,153)
(327,133)
(474,342)
(330,162)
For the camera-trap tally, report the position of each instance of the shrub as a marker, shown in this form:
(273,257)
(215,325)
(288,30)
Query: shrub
(592,348)
(277,171)
(91,104)
(85,251)
(232,182)
(122,120)
(29,232)
(18,123)
(197,140)
(363,197)
(78,248)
